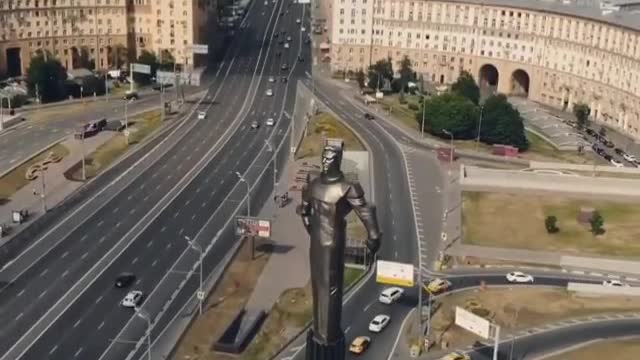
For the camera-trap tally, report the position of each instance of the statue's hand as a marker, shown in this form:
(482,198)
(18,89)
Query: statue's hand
(373,245)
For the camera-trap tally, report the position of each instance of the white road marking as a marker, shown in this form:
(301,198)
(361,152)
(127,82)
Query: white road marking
(163,229)
(99,299)
(102,239)
(42,294)
(64,255)
(101,325)
(366,308)
(134,261)
(19,316)
(168,246)
(21,292)
(44,272)
(149,243)
(100,223)
(65,273)
(132,211)
(84,237)
(154,263)
(84,255)
(53,349)
(347,329)
(129,197)
(115,210)
(118,224)
(145,198)
(78,352)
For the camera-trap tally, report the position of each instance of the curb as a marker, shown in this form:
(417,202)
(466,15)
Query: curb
(618,276)
(30,157)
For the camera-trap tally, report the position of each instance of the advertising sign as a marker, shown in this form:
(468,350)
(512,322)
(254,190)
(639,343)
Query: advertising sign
(337,142)
(199,49)
(141,68)
(394,273)
(249,226)
(472,322)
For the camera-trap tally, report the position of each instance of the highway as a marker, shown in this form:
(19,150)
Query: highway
(94,317)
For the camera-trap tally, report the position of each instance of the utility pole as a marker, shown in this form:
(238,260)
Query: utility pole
(162,114)
(420,335)
(479,127)
(422,123)
(126,121)
(275,164)
(496,341)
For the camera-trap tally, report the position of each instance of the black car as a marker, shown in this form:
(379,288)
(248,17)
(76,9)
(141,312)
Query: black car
(607,143)
(284,79)
(275,36)
(300,58)
(368,116)
(284,67)
(131,95)
(281,14)
(591,132)
(125,280)
(607,157)
(278,53)
(619,151)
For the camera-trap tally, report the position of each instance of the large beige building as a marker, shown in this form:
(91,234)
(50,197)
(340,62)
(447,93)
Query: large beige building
(556,52)
(109,31)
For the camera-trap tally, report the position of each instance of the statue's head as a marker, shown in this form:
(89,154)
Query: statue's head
(331,160)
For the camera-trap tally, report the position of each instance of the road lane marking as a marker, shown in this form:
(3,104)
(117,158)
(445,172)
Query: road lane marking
(134,261)
(19,316)
(101,325)
(347,329)
(42,294)
(149,244)
(154,263)
(99,299)
(180,232)
(130,197)
(116,210)
(132,211)
(168,246)
(102,239)
(44,272)
(163,229)
(84,237)
(78,352)
(84,255)
(77,323)
(368,306)
(21,292)
(118,224)
(65,273)
(53,349)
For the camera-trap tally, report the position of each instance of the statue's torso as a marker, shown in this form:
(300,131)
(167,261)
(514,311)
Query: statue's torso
(329,207)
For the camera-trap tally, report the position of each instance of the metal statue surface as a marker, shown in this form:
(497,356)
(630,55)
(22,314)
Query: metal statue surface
(326,201)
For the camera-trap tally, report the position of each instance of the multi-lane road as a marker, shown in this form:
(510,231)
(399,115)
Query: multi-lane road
(59,303)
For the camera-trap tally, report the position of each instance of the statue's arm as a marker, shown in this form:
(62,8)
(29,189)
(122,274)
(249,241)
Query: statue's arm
(304,209)
(367,214)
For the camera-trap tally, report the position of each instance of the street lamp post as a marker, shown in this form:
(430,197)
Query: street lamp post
(43,192)
(275,165)
(450,149)
(2,97)
(513,339)
(242,179)
(422,123)
(479,127)
(141,314)
(195,246)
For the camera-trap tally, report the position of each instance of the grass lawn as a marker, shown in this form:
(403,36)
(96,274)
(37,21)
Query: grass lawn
(541,150)
(15,180)
(520,309)
(323,126)
(141,126)
(517,221)
(628,349)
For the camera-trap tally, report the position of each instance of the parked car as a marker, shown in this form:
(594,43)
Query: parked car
(614,283)
(202,115)
(270,122)
(455,356)
(131,95)
(616,163)
(269,92)
(91,129)
(607,143)
(255,124)
(591,132)
(630,158)
(619,151)
(284,67)
(368,116)
(272,79)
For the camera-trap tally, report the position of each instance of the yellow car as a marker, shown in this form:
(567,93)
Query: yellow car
(438,285)
(360,344)
(456,356)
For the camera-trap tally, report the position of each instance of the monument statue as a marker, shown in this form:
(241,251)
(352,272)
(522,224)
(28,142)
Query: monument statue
(326,200)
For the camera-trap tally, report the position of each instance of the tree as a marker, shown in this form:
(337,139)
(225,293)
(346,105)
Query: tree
(146,58)
(167,60)
(46,78)
(120,55)
(466,86)
(581,112)
(84,59)
(360,78)
(450,112)
(378,72)
(551,224)
(502,124)
(597,223)
(406,72)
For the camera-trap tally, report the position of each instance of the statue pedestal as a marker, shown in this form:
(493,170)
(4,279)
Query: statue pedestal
(317,351)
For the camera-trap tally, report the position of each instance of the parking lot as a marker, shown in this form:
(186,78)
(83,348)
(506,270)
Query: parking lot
(613,148)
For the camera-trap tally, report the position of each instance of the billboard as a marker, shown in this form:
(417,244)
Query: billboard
(199,49)
(141,68)
(394,273)
(472,322)
(249,226)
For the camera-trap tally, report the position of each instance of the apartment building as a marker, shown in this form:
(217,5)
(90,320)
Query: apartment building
(558,53)
(108,32)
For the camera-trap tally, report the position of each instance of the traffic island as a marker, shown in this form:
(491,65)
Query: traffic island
(627,349)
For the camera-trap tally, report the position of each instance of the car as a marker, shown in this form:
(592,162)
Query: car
(300,58)
(269,92)
(159,86)
(368,116)
(270,122)
(608,143)
(266,3)
(616,163)
(298,21)
(284,79)
(591,132)
(272,79)
(289,38)
(255,124)
(455,356)
(275,36)
(360,344)
(619,151)
(606,156)
(125,280)
(519,277)
(131,95)
(284,67)
(438,285)
(133,299)
(629,158)
(379,323)
(202,115)
(307,41)
(286,45)
(390,295)
(303,29)
(614,283)
(278,53)
(281,41)
(281,14)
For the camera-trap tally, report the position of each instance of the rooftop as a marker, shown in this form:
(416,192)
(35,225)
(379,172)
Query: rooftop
(603,11)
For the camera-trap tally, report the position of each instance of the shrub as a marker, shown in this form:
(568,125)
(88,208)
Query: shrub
(414,107)
(550,223)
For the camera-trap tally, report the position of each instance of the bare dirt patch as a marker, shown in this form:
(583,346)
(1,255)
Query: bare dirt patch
(517,221)
(628,349)
(516,309)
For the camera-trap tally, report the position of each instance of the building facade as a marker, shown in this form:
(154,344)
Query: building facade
(106,32)
(554,53)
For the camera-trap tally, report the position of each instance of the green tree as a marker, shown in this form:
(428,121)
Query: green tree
(167,60)
(378,72)
(597,223)
(581,112)
(406,72)
(119,56)
(551,224)
(146,58)
(502,124)
(450,112)
(466,86)
(46,78)
(84,59)
(360,78)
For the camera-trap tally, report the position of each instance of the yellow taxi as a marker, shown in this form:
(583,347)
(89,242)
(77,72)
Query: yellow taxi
(360,344)
(438,286)
(456,356)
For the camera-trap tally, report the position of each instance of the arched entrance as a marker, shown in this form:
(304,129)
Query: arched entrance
(489,78)
(520,83)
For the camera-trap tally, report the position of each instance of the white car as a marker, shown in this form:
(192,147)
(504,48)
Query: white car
(390,295)
(269,92)
(629,157)
(379,323)
(298,21)
(272,79)
(270,122)
(289,38)
(303,29)
(132,300)
(614,283)
(519,277)
(202,115)
(286,45)
(616,163)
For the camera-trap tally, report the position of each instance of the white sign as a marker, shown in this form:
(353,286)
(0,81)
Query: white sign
(379,95)
(199,49)
(394,273)
(141,68)
(472,322)
(200,295)
(304,1)
(126,133)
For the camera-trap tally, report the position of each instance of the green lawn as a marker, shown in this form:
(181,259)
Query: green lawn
(325,125)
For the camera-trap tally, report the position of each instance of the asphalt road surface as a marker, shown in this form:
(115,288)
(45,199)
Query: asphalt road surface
(87,325)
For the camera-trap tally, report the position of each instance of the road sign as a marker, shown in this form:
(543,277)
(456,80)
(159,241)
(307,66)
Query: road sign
(394,273)
(472,322)
(141,68)
(304,1)
(199,49)
(249,226)
(200,295)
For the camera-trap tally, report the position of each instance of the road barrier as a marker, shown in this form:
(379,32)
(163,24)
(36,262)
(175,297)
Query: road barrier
(599,289)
